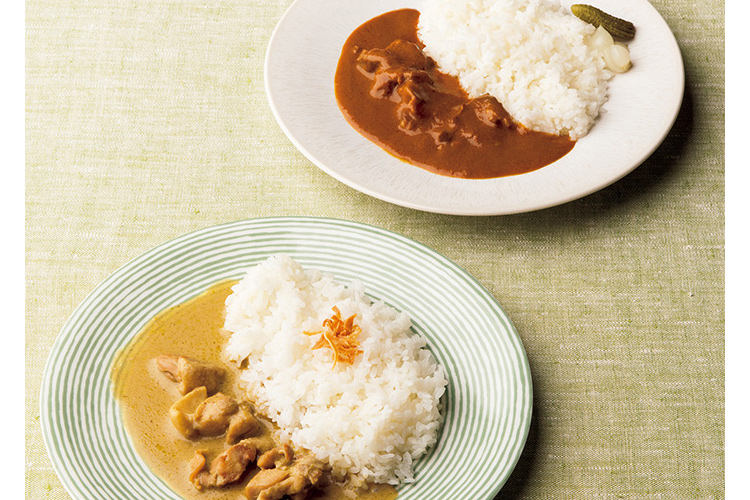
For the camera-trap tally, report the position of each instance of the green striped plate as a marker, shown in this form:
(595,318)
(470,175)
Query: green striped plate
(487,407)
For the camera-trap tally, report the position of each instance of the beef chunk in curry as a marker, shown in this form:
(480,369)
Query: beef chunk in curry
(400,73)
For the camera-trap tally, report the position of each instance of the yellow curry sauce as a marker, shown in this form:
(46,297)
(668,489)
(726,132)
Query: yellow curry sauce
(193,329)
(396,96)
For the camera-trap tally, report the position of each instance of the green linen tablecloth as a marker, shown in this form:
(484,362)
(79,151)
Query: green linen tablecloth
(147,120)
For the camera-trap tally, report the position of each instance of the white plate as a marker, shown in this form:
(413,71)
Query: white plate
(487,406)
(299,74)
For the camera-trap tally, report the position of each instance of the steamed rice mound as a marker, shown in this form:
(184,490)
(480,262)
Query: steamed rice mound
(371,418)
(531,55)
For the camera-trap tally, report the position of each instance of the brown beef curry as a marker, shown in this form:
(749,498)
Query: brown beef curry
(394,95)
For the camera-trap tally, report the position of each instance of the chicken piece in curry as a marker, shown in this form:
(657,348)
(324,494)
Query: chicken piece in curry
(190,373)
(275,471)
(188,420)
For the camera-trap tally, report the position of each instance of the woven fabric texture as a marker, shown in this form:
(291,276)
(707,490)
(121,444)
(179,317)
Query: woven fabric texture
(147,120)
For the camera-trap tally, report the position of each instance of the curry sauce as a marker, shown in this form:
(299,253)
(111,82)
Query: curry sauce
(396,96)
(145,396)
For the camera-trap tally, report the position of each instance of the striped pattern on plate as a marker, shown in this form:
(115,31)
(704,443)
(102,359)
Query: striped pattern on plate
(487,407)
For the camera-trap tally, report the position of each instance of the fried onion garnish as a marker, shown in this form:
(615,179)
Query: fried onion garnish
(341,336)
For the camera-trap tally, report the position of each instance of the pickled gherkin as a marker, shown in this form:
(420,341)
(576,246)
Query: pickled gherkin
(618,28)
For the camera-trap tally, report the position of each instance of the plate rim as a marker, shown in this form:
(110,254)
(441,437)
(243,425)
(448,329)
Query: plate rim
(521,356)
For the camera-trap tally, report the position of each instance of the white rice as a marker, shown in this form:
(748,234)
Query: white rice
(370,419)
(531,55)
